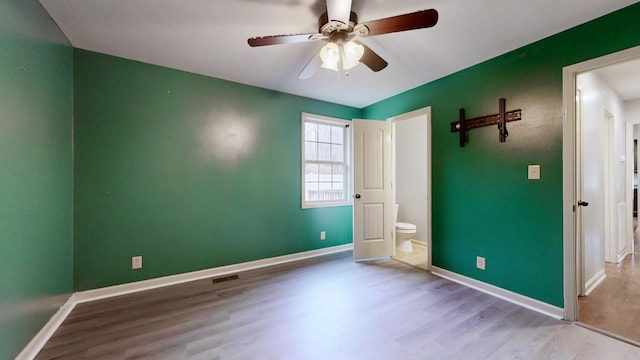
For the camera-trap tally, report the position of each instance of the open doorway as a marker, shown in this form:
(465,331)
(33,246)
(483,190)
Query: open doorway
(600,259)
(412,187)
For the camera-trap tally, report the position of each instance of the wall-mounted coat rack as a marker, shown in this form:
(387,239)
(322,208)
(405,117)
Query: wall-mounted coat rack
(501,119)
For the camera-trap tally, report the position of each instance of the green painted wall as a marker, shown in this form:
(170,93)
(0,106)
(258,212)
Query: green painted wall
(188,171)
(483,204)
(193,172)
(36,253)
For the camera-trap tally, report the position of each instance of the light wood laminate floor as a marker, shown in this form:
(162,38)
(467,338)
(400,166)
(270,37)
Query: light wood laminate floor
(614,306)
(418,257)
(324,308)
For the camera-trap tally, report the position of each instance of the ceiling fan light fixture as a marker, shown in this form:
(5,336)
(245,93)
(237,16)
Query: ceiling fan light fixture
(330,56)
(352,53)
(338,26)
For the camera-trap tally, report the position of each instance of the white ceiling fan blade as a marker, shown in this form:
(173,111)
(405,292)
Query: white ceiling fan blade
(339,10)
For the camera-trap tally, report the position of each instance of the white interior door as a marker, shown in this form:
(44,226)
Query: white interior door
(373,224)
(580,196)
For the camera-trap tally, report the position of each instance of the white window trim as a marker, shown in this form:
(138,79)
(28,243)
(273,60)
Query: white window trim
(349,171)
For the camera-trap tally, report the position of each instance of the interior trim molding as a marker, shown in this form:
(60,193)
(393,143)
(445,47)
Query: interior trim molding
(571,269)
(128,288)
(524,301)
(419,243)
(624,254)
(594,282)
(35,345)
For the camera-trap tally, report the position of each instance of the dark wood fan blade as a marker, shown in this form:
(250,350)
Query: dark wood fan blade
(417,20)
(372,60)
(281,39)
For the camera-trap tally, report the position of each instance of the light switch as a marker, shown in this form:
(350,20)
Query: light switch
(136,262)
(534,172)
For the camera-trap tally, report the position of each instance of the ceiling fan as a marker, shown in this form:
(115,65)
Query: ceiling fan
(339,27)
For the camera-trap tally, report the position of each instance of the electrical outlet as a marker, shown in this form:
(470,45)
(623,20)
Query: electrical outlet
(323,235)
(481,263)
(136,262)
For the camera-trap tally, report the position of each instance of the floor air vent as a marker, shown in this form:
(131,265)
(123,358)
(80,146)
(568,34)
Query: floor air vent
(225,278)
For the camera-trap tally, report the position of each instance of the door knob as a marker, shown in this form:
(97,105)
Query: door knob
(357,196)
(582,203)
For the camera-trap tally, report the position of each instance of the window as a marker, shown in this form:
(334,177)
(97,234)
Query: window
(325,161)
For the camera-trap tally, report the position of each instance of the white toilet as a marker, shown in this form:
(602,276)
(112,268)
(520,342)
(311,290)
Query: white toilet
(404,233)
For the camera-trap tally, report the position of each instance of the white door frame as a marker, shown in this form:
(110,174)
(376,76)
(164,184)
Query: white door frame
(569,200)
(629,155)
(426,111)
(609,176)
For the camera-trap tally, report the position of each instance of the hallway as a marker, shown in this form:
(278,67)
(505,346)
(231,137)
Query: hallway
(614,306)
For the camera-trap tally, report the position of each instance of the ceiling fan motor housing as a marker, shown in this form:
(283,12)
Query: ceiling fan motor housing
(327,27)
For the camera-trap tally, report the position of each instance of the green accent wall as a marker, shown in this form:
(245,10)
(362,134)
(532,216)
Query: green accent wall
(189,171)
(483,204)
(193,172)
(36,244)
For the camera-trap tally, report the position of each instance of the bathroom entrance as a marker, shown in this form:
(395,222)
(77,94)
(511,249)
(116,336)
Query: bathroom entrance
(411,144)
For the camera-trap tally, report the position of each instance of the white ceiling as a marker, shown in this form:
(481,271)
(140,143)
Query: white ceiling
(209,37)
(623,78)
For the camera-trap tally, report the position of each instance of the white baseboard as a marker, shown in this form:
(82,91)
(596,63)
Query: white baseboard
(419,243)
(35,345)
(594,282)
(525,301)
(116,290)
(624,254)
